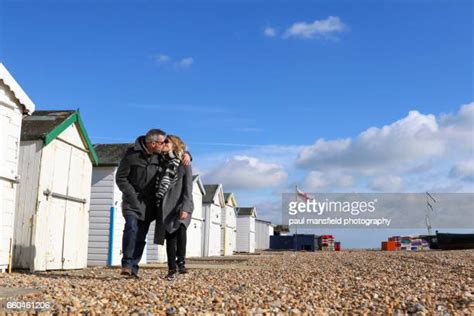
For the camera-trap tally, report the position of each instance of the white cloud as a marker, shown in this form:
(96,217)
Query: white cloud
(317,181)
(185,62)
(418,146)
(463,118)
(463,170)
(413,138)
(322,28)
(458,129)
(270,31)
(269,210)
(162,59)
(283,155)
(386,183)
(420,152)
(246,172)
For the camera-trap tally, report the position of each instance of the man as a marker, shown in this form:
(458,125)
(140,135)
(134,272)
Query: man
(136,179)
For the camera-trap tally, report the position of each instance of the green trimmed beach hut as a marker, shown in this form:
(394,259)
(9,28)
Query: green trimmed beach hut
(52,209)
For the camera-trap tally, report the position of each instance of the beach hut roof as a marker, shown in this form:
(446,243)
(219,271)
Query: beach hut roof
(247,211)
(263,221)
(230,199)
(111,154)
(15,88)
(47,125)
(213,191)
(197,179)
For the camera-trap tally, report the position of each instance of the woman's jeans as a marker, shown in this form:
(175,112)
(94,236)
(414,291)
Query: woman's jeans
(176,247)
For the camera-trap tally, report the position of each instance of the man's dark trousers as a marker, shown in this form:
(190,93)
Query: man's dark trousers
(134,241)
(176,247)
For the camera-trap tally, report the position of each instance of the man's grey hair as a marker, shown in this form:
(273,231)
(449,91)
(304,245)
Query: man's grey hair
(153,135)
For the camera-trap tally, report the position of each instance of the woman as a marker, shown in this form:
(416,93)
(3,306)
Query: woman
(174,200)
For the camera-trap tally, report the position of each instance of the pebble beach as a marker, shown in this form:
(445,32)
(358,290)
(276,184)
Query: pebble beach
(430,282)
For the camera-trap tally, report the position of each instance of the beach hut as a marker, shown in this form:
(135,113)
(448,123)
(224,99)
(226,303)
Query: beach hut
(263,231)
(52,219)
(14,103)
(246,229)
(196,227)
(194,246)
(229,225)
(213,202)
(106,221)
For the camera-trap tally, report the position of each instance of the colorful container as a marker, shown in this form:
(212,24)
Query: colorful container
(389,245)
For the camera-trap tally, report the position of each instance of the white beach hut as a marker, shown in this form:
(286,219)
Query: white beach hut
(106,221)
(14,103)
(195,233)
(52,219)
(246,229)
(263,231)
(194,246)
(213,202)
(229,225)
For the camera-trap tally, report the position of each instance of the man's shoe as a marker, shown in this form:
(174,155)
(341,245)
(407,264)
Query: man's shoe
(126,271)
(135,275)
(182,270)
(171,275)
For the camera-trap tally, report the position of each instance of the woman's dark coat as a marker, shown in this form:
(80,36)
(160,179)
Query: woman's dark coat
(178,197)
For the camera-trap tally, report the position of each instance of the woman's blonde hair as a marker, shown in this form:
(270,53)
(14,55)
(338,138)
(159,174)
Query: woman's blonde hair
(178,145)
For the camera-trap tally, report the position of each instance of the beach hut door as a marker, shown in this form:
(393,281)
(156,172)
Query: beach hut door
(54,205)
(76,221)
(67,217)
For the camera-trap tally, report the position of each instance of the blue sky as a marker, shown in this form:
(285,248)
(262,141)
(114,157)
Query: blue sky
(253,103)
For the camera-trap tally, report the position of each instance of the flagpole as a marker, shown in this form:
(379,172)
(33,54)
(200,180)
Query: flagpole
(297,217)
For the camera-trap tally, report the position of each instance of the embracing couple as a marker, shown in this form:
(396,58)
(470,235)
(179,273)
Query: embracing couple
(155,178)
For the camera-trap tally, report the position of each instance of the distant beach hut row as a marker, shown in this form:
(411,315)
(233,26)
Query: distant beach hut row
(61,209)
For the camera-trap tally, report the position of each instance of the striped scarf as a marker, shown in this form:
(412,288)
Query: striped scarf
(168,177)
